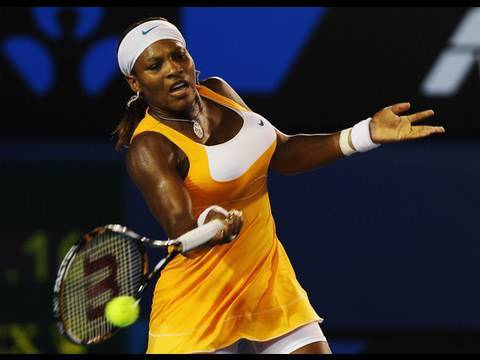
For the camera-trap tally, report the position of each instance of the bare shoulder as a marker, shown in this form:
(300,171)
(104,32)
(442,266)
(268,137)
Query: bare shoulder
(149,151)
(220,86)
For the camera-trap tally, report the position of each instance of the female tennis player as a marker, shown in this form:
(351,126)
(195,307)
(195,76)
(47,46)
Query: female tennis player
(196,151)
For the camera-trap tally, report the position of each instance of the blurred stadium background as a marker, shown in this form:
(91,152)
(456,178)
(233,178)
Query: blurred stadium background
(385,243)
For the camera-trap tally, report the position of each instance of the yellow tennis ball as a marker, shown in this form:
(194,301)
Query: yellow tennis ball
(122,311)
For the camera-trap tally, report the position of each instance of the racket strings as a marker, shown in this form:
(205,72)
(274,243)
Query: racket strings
(109,265)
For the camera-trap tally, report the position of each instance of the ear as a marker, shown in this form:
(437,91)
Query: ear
(133,83)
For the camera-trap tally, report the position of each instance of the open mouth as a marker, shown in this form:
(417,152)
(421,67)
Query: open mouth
(179,86)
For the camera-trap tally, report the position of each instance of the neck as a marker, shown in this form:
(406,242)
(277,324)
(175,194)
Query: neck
(195,111)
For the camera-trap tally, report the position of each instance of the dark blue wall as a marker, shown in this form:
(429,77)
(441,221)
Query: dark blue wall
(388,239)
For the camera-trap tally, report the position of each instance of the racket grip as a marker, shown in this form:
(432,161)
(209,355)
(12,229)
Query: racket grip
(200,235)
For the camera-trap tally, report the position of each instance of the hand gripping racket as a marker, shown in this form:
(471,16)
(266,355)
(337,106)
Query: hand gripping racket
(110,261)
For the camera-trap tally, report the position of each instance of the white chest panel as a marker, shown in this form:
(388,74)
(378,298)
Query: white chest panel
(230,160)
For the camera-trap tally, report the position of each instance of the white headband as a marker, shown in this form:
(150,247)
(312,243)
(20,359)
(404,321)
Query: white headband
(141,37)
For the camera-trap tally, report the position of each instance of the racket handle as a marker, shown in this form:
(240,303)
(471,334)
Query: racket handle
(200,235)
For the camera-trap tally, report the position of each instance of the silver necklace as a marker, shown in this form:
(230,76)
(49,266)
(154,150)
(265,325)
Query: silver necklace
(197,128)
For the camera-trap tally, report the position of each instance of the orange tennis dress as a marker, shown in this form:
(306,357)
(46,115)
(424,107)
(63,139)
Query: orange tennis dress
(244,289)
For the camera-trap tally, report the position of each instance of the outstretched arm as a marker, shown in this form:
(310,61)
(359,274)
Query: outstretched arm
(304,152)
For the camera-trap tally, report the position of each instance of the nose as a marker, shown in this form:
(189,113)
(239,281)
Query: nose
(175,68)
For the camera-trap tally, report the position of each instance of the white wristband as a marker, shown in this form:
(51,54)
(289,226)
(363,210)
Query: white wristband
(200,235)
(203,215)
(361,139)
(344,145)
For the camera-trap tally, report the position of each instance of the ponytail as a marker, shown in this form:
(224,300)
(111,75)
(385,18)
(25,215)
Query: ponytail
(136,107)
(135,112)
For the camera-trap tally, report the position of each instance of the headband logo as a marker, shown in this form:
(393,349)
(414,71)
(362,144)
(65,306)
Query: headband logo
(146,32)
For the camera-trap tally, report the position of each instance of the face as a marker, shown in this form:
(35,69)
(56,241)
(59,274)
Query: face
(165,75)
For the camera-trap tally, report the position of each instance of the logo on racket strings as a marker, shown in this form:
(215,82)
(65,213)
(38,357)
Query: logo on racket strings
(109,283)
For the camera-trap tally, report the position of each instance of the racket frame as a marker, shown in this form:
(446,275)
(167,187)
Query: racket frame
(63,271)
(140,241)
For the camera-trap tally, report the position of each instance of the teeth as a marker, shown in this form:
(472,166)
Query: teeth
(179,85)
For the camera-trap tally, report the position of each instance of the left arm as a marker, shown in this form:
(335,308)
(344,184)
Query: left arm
(302,152)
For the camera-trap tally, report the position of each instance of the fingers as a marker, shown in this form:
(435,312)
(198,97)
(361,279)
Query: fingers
(234,221)
(400,107)
(423,131)
(419,116)
(232,224)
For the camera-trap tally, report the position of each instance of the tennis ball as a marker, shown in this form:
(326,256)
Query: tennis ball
(122,311)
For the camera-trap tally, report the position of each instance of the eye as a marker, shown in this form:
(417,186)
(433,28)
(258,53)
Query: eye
(154,66)
(180,55)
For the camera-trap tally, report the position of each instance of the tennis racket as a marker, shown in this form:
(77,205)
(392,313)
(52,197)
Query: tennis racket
(110,261)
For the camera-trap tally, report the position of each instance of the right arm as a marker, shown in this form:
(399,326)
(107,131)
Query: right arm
(152,165)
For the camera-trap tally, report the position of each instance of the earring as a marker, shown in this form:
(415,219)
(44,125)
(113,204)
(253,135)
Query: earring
(133,98)
(197,77)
